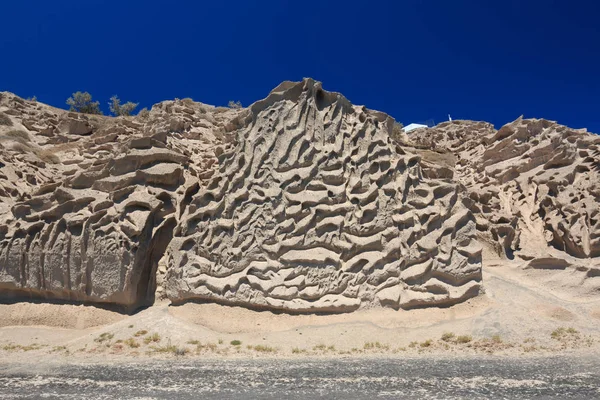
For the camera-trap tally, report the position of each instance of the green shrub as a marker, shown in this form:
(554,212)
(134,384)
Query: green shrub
(234,104)
(264,349)
(82,102)
(131,342)
(447,336)
(297,350)
(118,109)
(375,345)
(155,337)
(236,343)
(397,131)
(104,337)
(464,339)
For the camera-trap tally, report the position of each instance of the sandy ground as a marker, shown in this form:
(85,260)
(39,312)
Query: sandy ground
(515,316)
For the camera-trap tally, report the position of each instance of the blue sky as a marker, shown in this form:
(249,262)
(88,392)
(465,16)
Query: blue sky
(415,60)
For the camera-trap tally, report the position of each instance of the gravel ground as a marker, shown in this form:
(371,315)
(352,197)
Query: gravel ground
(419,378)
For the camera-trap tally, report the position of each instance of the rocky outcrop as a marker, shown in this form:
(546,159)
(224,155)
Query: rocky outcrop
(302,202)
(315,209)
(533,185)
(92,224)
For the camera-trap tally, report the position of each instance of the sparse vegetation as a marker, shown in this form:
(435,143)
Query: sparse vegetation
(426,343)
(375,345)
(104,337)
(448,336)
(171,348)
(118,109)
(140,333)
(17,347)
(131,342)
(194,342)
(154,338)
(181,351)
(234,104)
(397,131)
(5,120)
(297,350)
(220,341)
(463,339)
(563,333)
(496,339)
(82,102)
(263,348)
(144,113)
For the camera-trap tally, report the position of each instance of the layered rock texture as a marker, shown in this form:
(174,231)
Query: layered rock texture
(534,188)
(301,202)
(314,209)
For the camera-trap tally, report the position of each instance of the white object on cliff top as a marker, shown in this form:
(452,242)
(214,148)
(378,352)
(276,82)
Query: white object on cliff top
(411,127)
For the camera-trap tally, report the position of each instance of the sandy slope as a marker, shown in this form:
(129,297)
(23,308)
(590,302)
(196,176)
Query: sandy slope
(521,316)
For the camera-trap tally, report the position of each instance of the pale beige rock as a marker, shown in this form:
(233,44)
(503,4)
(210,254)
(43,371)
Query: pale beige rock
(301,202)
(534,187)
(315,210)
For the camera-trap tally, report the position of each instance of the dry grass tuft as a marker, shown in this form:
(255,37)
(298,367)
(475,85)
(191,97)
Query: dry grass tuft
(155,337)
(448,336)
(131,342)
(104,337)
(263,348)
(375,346)
(464,339)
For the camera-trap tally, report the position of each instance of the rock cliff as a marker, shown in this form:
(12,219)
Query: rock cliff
(534,188)
(316,209)
(301,202)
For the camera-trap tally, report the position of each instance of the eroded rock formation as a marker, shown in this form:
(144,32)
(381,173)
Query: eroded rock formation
(301,202)
(534,187)
(88,203)
(315,209)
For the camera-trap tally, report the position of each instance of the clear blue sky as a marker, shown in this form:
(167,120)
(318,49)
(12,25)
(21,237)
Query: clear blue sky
(481,60)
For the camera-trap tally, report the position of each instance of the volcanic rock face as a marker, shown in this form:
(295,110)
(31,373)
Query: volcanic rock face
(534,187)
(315,210)
(88,203)
(301,202)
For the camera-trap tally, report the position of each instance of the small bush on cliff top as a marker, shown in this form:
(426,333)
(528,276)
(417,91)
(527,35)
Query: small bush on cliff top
(118,109)
(82,102)
(234,104)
